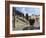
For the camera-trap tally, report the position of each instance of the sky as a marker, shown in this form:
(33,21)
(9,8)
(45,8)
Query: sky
(29,10)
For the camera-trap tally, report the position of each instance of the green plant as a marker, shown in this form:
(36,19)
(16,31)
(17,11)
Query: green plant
(32,21)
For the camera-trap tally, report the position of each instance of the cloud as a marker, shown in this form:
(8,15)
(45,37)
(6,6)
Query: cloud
(30,11)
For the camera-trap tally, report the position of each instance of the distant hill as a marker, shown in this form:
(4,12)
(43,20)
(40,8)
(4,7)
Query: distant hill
(18,13)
